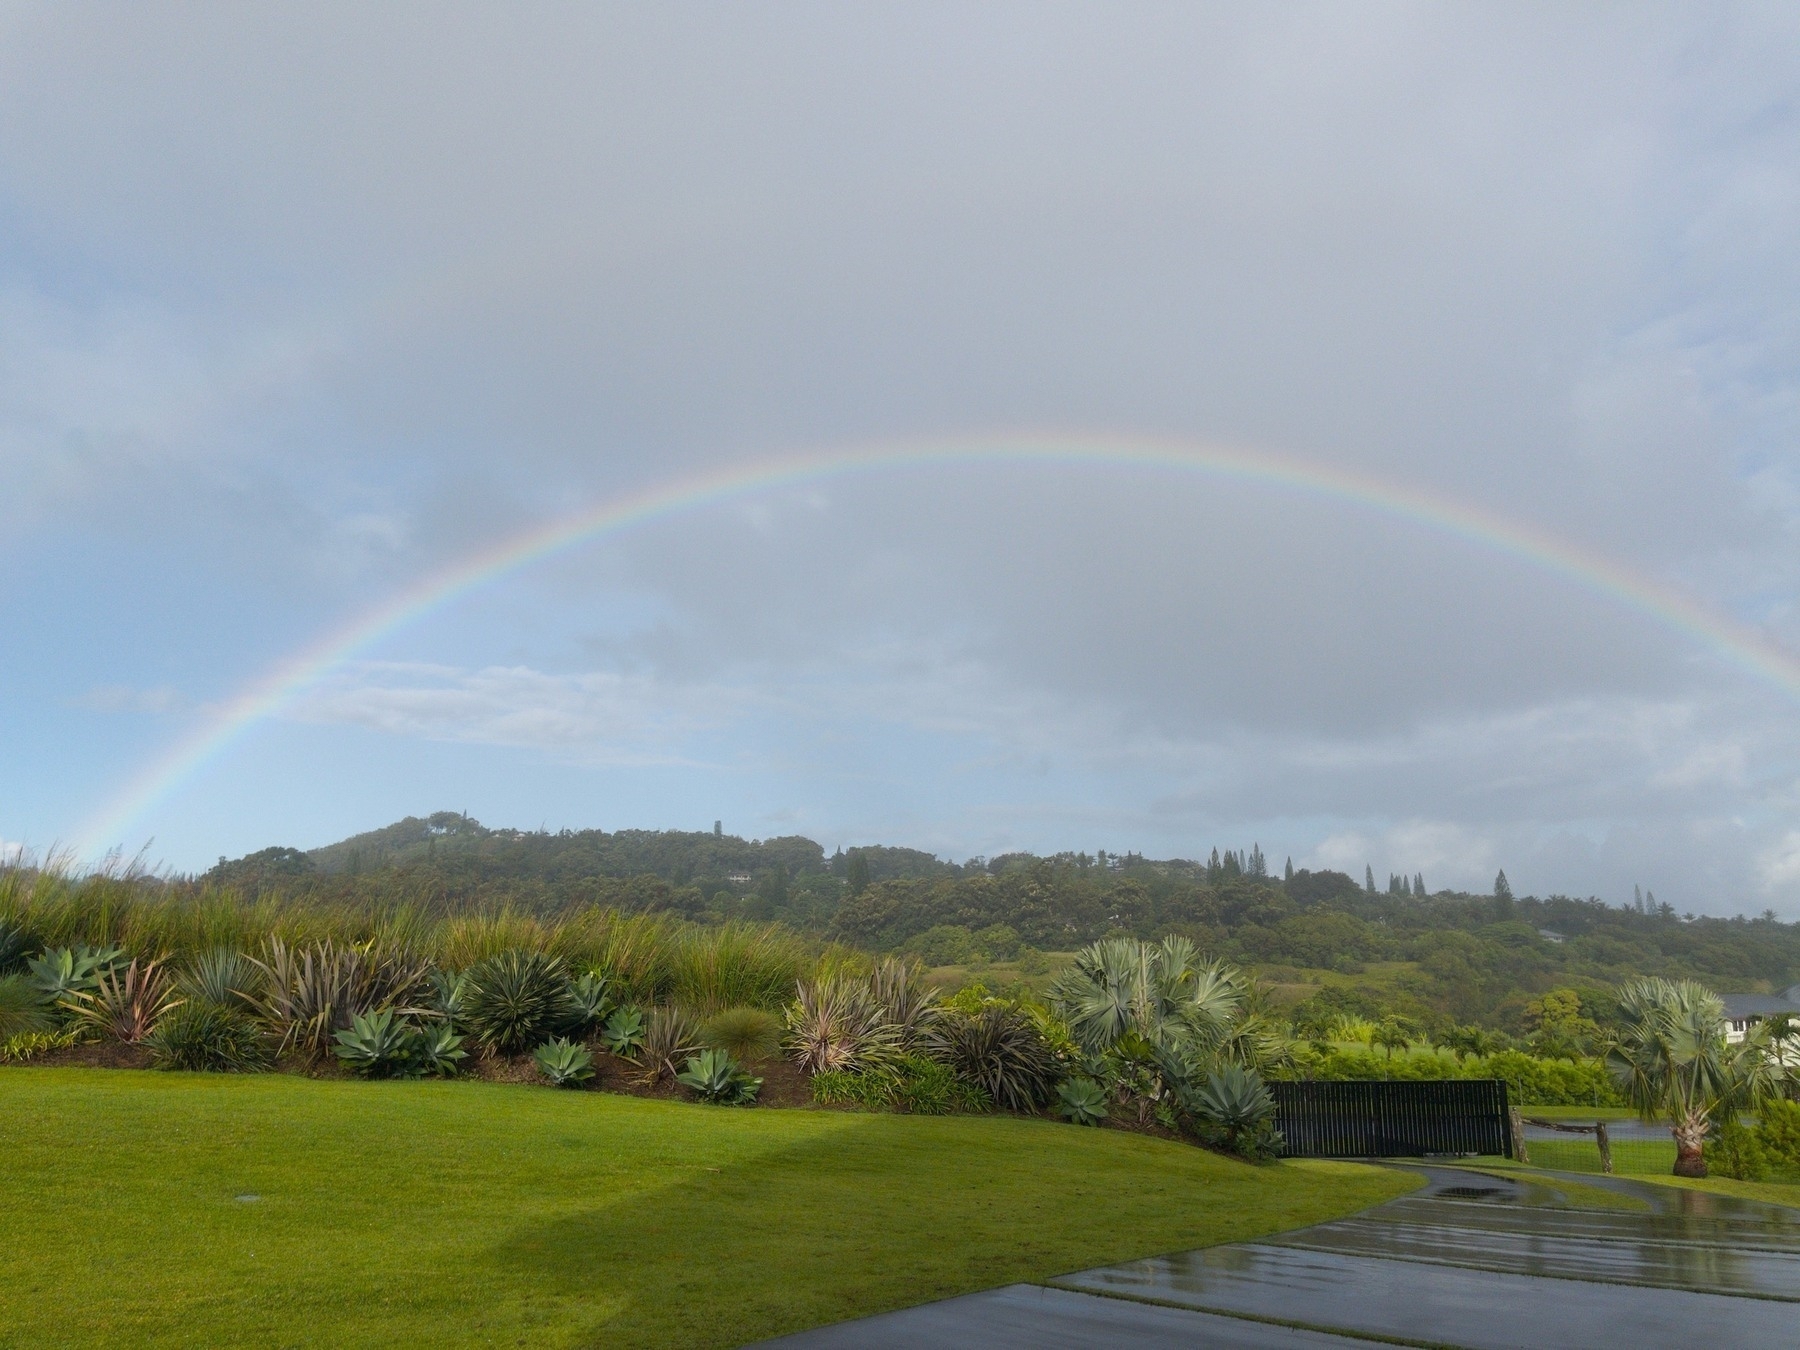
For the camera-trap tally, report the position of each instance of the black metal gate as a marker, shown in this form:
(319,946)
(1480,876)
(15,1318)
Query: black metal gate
(1393,1120)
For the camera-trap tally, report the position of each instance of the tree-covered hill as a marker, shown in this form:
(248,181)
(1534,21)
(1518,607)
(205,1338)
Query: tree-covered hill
(1467,957)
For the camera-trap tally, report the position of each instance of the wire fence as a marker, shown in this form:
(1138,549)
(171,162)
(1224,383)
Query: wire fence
(1639,1157)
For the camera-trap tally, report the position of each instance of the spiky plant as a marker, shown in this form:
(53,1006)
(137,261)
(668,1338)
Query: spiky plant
(1162,991)
(1000,1050)
(1233,1109)
(714,1076)
(62,972)
(437,1051)
(907,1004)
(588,999)
(223,977)
(623,1033)
(564,1063)
(1082,1101)
(15,942)
(515,1000)
(376,1045)
(209,1038)
(836,1024)
(669,1039)
(746,1034)
(125,1004)
(310,994)
(22,1008)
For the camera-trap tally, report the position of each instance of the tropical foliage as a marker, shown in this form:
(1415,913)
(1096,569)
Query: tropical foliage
(565,1064)
(714,1076)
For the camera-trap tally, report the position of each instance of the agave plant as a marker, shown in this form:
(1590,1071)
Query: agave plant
(564,1063)
(623,1033)
(445,999)
(1234,1110)
(1082,1101)
(714,1076)
(669,1039)
(588,1001)
(376,1045)
(515,1000)
(125,1004)
(743,1033)
(62,972)
(1001,1050)
(836,1024)
(437,1051)
(208,1037)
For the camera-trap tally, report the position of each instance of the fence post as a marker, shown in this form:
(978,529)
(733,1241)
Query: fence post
(1605,1147)
(1520,1153)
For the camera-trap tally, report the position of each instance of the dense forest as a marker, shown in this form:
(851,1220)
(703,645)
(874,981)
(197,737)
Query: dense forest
(1431,955)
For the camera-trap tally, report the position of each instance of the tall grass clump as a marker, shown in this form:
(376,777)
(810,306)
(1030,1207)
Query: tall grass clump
(737,965)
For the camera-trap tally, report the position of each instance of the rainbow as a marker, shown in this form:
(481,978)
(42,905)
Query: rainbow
(282,683)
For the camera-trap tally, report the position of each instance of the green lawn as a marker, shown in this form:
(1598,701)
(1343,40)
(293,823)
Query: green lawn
(478,1214)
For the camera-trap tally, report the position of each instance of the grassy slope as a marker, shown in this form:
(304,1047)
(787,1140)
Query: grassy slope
(475,1214)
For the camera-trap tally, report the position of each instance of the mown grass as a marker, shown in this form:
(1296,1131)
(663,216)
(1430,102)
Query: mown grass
(472,1214)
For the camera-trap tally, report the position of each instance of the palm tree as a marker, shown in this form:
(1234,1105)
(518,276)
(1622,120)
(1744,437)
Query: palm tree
(1392,1034)
(1672,1063)
(1162,991)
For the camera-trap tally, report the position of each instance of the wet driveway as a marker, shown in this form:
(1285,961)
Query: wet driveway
(1472,1259)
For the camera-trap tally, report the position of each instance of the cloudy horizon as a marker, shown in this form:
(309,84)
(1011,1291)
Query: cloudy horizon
(298,309)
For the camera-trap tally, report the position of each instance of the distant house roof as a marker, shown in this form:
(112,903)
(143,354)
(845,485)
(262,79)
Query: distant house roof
(1741,1006)
(1551,935)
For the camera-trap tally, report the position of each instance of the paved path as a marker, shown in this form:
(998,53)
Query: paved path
(1475,1260)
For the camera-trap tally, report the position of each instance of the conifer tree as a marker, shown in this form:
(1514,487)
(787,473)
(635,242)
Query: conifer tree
(1289,875)
(1419,885)
(1368,879)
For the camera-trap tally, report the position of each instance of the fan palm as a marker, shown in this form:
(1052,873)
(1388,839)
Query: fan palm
(1672,1063)
(1164,992)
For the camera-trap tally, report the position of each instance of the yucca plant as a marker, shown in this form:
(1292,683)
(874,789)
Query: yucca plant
(23,1008)
(376,1045)
(668,1040)
(836,1024)
(714,1076)
(222,976)
(746,1034)
(125,1004)
(1001,1050)
(515,1000)
(208,1037)
(564,1063)
(623,1033)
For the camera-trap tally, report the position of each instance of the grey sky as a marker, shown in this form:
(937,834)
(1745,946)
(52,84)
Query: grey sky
(296,307)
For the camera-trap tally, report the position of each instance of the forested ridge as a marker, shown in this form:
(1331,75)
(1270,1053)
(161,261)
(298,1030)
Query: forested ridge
(1452,954)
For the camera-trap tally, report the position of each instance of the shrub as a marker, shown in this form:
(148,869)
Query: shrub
(22,1008)
(28,1045)
(209,1038)
(588,1001)
(515,1000)
(125,1004)
(746,1034)
(222,977)
(309,994)
(714,1076)
(835,1023)
(668,1040)
(1778,1129)
(1001,1051)
(1735,1150)
(623,1033)
(376,1045)
(909,1083)
(1232,1109)
(1082,1101)
(564,1063)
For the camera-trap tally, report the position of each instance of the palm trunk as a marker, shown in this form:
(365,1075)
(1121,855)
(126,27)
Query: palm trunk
(1690,1141)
